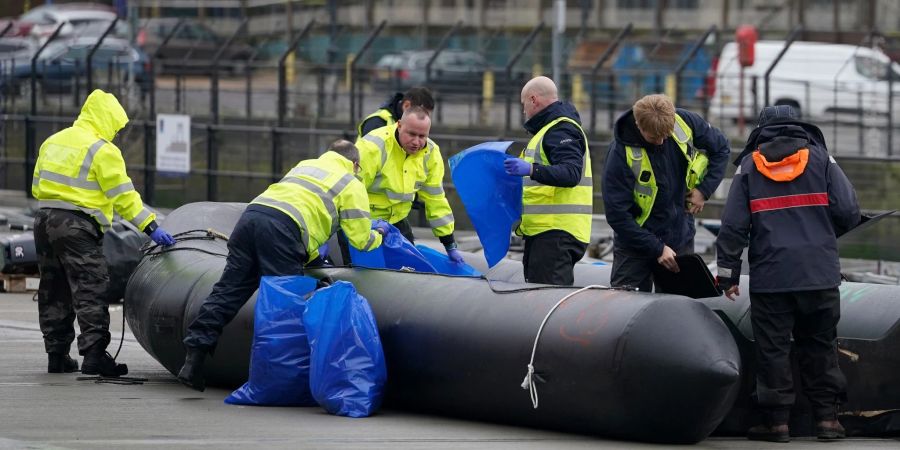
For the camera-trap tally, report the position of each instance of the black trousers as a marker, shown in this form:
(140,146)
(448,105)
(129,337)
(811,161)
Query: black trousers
(259,246)
(74,279)
(812,318)
(636,271)
(550,257)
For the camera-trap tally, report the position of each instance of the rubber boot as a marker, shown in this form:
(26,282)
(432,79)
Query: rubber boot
(99,362)
(191,373)
(61,363)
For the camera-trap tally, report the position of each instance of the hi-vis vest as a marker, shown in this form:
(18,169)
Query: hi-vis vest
(645,188)
(318,194)
(557,208)
(393,179)
(78,168)
(382,114)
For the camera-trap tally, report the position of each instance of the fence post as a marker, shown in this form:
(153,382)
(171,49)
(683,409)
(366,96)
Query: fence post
(356,57)
(684,62)
(214,81)
(597,65)
(508,70)
(787,44)
(90,56)
(149,181)
(282,76)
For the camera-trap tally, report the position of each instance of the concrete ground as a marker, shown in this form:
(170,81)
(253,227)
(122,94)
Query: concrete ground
(49,411)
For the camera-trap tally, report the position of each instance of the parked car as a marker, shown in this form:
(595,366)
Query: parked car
(41,21)
(453,72)
(63,63)
(191,48)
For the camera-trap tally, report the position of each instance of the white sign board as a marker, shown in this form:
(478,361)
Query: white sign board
(173,143)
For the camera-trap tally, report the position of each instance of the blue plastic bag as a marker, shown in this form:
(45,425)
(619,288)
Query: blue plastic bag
(347,369)
(443,265)
(279,358)
(395,252)
(493,199)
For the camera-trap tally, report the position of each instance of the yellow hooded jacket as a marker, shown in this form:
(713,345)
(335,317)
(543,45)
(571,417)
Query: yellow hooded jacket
(79,168)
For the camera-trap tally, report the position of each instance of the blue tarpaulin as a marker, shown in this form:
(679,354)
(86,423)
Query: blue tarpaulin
(493,199)
(397,253)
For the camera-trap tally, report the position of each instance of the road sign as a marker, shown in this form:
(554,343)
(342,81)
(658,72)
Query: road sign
(173,143)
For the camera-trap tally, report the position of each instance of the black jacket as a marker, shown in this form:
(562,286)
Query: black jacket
(668,223)
(394,105)
(564,146)
(789,224)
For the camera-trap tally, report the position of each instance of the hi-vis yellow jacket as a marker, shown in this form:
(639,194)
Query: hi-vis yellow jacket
(547,208)
(318,194)
(80,169)
(382,114)
(393,178)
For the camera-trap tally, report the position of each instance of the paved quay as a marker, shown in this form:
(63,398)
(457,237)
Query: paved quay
(52,411)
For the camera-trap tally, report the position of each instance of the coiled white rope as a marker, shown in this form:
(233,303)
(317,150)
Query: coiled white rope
(528,382)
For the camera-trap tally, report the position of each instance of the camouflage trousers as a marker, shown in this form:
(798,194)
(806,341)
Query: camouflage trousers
(74,277)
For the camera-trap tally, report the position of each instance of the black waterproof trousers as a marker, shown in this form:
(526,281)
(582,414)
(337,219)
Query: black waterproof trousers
(550,257)
(812,318)
(260,245)
(636,271)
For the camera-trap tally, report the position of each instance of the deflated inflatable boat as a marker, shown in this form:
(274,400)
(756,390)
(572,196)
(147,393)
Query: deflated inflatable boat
(620,364)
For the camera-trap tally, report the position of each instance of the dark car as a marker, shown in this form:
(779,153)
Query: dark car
(191,49)
(63,63)
(452,72)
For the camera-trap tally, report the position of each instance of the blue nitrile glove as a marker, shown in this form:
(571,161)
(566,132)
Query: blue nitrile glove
(517,167)
(455,256)
(381,226)
(323,251)
(161,237)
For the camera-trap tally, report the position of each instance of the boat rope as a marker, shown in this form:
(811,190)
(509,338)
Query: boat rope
(530,376)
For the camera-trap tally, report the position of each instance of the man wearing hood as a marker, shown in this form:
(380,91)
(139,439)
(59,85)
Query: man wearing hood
(392,110)
(79,182)
(557,193)
(662,166)
(789,200)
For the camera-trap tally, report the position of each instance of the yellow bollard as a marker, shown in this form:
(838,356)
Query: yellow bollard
(487,96)
(348,75)
(670,86)
(578,95)
(537,70)
(289,69)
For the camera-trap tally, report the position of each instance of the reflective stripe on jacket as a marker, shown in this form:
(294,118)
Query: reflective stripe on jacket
(645,185)
(788,202)
(318,194)
(393,178)
(80,169)
(546,207)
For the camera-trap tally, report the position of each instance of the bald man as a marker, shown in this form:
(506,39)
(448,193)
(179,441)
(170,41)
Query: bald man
(557,194)
(398,163)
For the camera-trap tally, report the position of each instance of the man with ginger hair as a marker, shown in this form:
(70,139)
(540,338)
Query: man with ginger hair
(557,192)
(662,166)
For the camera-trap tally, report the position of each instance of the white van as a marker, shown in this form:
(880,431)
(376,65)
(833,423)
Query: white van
(817,78)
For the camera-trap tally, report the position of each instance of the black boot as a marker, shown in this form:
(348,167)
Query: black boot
(99,362)
(61,363)
(191,373)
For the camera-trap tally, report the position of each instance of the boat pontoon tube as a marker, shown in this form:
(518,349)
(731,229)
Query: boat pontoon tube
(621,364)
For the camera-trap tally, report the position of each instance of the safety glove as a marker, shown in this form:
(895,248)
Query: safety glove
(517,167)
(161,237)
